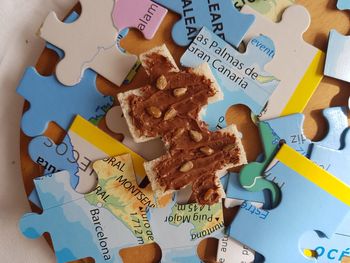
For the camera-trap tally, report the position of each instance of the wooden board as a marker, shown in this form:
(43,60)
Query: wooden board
(331,92)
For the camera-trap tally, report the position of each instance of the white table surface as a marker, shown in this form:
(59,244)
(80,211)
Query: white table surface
(19,48)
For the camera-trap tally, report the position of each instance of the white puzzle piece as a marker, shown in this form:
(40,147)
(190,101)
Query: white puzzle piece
(296,63)
(116,123)
(88,42)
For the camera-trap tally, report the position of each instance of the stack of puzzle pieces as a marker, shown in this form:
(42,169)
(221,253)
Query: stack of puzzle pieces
(168,181)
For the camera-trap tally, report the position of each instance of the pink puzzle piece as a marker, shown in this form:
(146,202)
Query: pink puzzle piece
(144,15)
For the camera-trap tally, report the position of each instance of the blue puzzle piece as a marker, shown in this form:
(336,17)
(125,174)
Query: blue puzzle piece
(312,199)
(343,4)
(178,229)
(93,224)
(220,16)
(337,59)
(52,101)
(336,162)
(54,158)
(289,129)
(241,76)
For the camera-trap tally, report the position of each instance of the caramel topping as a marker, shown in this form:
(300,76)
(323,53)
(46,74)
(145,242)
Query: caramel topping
(196,155)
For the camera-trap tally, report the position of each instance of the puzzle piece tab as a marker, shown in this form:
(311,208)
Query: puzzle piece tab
(242,77)
(89,42)
(306,186)
(116,122)
(289,130)
(76,154)
(297,64)
(51,101)
(144,15)
(92,225)
(219,16)
(185,227)
(343,4)
(338,55)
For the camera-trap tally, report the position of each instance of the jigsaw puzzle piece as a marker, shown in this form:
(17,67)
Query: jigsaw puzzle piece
(92,224)
(343,4)
(51,101)
(241,76)
(185,227)
(229,249)
(297,64)
(338,55)
(303,183)
(289,130)
(88,42)
(336,162)
(76,154)
(219,16)
(116,122)
(144,15)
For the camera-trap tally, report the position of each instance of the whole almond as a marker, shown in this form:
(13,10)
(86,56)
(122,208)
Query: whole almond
(207,150)
(154,112)
(161,82)
(186,167)
(208,194)
(196,136)
(170,114)
(179,92)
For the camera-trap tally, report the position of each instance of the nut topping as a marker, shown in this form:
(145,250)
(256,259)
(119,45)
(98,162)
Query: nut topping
(186,167)
(208,194)
(170,114)
(196,136)
(161,82)
(154,112)
(229,147)
(207,150)
(179,92)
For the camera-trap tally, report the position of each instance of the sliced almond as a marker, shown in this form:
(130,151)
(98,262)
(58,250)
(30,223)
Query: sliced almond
(170,114)
(207,150)
(186,167)
(154,112)
(178,133)
(161,82)
(179,92)
(229,147)
(196,136)
(208,194)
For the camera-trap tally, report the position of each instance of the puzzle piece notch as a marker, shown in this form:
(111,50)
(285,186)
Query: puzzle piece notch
(88,42)
(229,249)
(66,211)
(220,17)
(295,61)
(241,76)
(144,15)
(343,4)
(51,101)
(289,130)
(116,122)
(304,183)
(338,55)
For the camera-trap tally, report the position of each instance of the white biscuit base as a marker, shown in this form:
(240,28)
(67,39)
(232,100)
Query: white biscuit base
(202,70)
(161,191)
